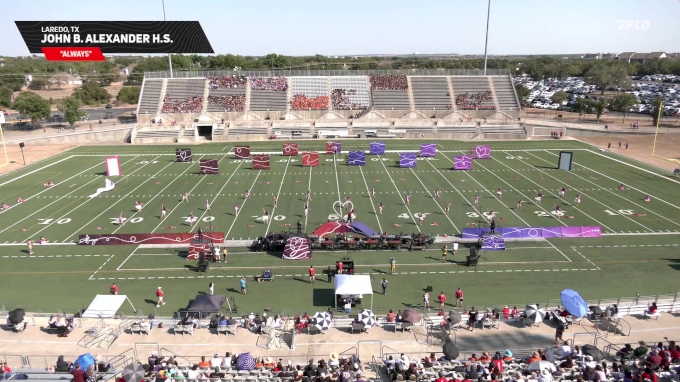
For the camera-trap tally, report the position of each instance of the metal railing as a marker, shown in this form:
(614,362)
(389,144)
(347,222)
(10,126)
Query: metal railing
(304,73)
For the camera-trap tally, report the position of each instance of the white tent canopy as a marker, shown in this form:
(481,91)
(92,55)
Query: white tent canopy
(105,306)
(353,285)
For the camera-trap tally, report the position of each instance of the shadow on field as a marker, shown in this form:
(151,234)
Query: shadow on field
(673,263)
(323,297)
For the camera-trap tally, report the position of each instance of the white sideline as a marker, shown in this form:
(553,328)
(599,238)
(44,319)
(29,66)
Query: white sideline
(80,205)
(49,188)
(58,199)
(36,170)
(617,181)
(617,194)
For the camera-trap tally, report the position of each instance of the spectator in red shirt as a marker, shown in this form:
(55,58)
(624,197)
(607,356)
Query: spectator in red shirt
(340,267)
(159,294)
(675,354)
(114,289)
(390,316)
(655,359)
(312,272)
(506,312)
(498,361)
(514,312)
(459,297)
(442,300)
(78,374)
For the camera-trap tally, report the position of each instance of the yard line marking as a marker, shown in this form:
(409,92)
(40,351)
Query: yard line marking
(155,196)
(102,266)
(242,206)
(511,210)
(454,187)
(550,191)
(617,181)
(521,193)
(116,202)
(64,181)
(196,185)
(435,200)
(309,187)
(58,199)
(617,194)
(403,202)
(269,221)
(371,198)
(337,183)
(86,201)
(588,260)
(36,170)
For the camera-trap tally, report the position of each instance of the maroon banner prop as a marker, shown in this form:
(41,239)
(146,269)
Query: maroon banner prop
(209,166)
(310,159)
(260,162)
(147,238)
(241,152)
(290,149)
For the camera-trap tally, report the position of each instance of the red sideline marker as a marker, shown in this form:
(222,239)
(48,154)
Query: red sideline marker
(73,54)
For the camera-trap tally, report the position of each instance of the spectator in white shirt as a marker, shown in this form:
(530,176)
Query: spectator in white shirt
(545,376)
(226,362)
(193,372)
(565,349)
(589,362)
(216,361)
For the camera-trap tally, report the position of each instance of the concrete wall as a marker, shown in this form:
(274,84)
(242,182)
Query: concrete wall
(117,135)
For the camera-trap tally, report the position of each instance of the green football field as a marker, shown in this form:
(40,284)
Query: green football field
(637,253)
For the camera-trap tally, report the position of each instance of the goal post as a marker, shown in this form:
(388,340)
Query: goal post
(656,134)
(2,138)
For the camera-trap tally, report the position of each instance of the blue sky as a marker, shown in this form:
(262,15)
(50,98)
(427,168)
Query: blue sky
(347,27)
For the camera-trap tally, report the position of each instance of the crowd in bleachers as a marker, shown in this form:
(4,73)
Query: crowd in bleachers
(562,363)
(389,82)
(235,102)
(190,105)
(218,368)
(477,101)
(340,100)
(302,102)
(227,82)
(268,83)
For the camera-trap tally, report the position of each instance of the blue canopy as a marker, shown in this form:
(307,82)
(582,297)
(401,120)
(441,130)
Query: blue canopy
(85,360)
(574,303)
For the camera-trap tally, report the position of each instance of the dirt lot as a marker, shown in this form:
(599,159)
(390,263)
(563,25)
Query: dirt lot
(640,147)
(32,153)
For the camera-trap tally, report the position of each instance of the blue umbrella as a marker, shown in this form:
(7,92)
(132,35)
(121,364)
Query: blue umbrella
(85,360)
(574,303)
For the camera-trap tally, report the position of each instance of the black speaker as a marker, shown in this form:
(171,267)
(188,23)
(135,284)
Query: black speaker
(203,267)
(201,258)
(21,145)
(473,251)
(429,288)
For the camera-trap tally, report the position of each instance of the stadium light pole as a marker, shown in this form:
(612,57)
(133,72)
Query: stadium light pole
(486,42)
(169,56)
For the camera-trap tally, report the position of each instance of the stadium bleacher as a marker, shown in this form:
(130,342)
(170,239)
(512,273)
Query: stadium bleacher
(350,92)
(184,95)
(431,92)
(150,98)
(505,93)
(472,93)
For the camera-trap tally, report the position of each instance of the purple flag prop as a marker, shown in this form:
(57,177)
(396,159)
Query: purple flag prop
(428,150)
(462,162)
(377,148)
(357,158)
(536,232)
(407,160)
(493,243)
(482,152)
